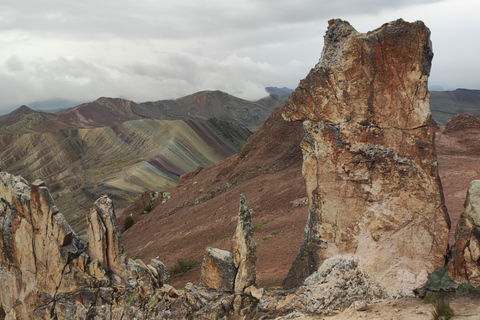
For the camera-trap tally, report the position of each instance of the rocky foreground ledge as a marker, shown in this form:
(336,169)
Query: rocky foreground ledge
(48,272)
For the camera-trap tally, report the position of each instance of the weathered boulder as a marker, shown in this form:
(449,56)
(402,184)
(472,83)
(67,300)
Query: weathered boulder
(218,269)
(369,159)
(465,265)
(104,237)
(162,273)
(336,285)
(244,249)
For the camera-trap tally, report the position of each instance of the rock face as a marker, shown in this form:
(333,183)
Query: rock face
(465,266)
(244,249)
(218,269)
(369,160)
(45,272)
(41,258)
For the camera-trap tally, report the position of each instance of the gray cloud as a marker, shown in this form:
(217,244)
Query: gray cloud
(150,50)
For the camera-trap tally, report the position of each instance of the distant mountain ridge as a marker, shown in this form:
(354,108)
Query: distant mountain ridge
(279,91)
(112,111)
(445,104)
(118,147)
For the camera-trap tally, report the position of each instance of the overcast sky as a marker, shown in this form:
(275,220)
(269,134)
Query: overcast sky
(147,50)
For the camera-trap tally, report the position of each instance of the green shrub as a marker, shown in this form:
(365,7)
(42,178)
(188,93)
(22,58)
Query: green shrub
(464,289)
(128,222)
(258,225)
(183,267)
(147,207)
(430,297)
(442,310)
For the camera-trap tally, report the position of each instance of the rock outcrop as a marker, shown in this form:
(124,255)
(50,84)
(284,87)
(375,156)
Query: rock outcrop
(461,122)
(244,249)
(465,265)
(369,158)
(218,269)
(105,240)
(336,285)
(41,258)
(46,273)
(236,269)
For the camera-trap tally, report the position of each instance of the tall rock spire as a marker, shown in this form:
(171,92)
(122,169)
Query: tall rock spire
(370,163)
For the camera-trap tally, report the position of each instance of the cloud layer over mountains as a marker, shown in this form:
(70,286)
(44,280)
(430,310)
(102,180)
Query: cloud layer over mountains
(152,50)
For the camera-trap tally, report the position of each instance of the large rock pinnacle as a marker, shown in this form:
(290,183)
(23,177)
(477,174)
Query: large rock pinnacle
(369,158)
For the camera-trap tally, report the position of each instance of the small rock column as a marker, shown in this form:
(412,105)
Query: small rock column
(465,265)
(104,238)
(244,249)
(236,269)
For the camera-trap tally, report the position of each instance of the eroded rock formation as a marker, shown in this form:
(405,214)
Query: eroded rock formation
(465,265)
(369,160)
(236,269)
(45,272)
(105,241)
(41,258)
(244,249)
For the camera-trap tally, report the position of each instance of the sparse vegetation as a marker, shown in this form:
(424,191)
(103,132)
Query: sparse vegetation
(258,225)
(430,297)
(128,222)
(260,190)
(274,233)
(442,310)
(128,301)
(147,207)
(166,196)
(464,289)
(150,303)
(183,267)
(200,191)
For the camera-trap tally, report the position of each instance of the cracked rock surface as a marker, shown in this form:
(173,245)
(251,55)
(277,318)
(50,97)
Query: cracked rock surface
(370,164)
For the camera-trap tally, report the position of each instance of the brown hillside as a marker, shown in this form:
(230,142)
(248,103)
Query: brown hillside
(458,148)
(203,207)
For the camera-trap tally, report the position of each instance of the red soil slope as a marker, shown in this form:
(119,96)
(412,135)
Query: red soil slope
(203,207)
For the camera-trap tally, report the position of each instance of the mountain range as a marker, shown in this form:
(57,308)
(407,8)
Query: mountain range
(122,148)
